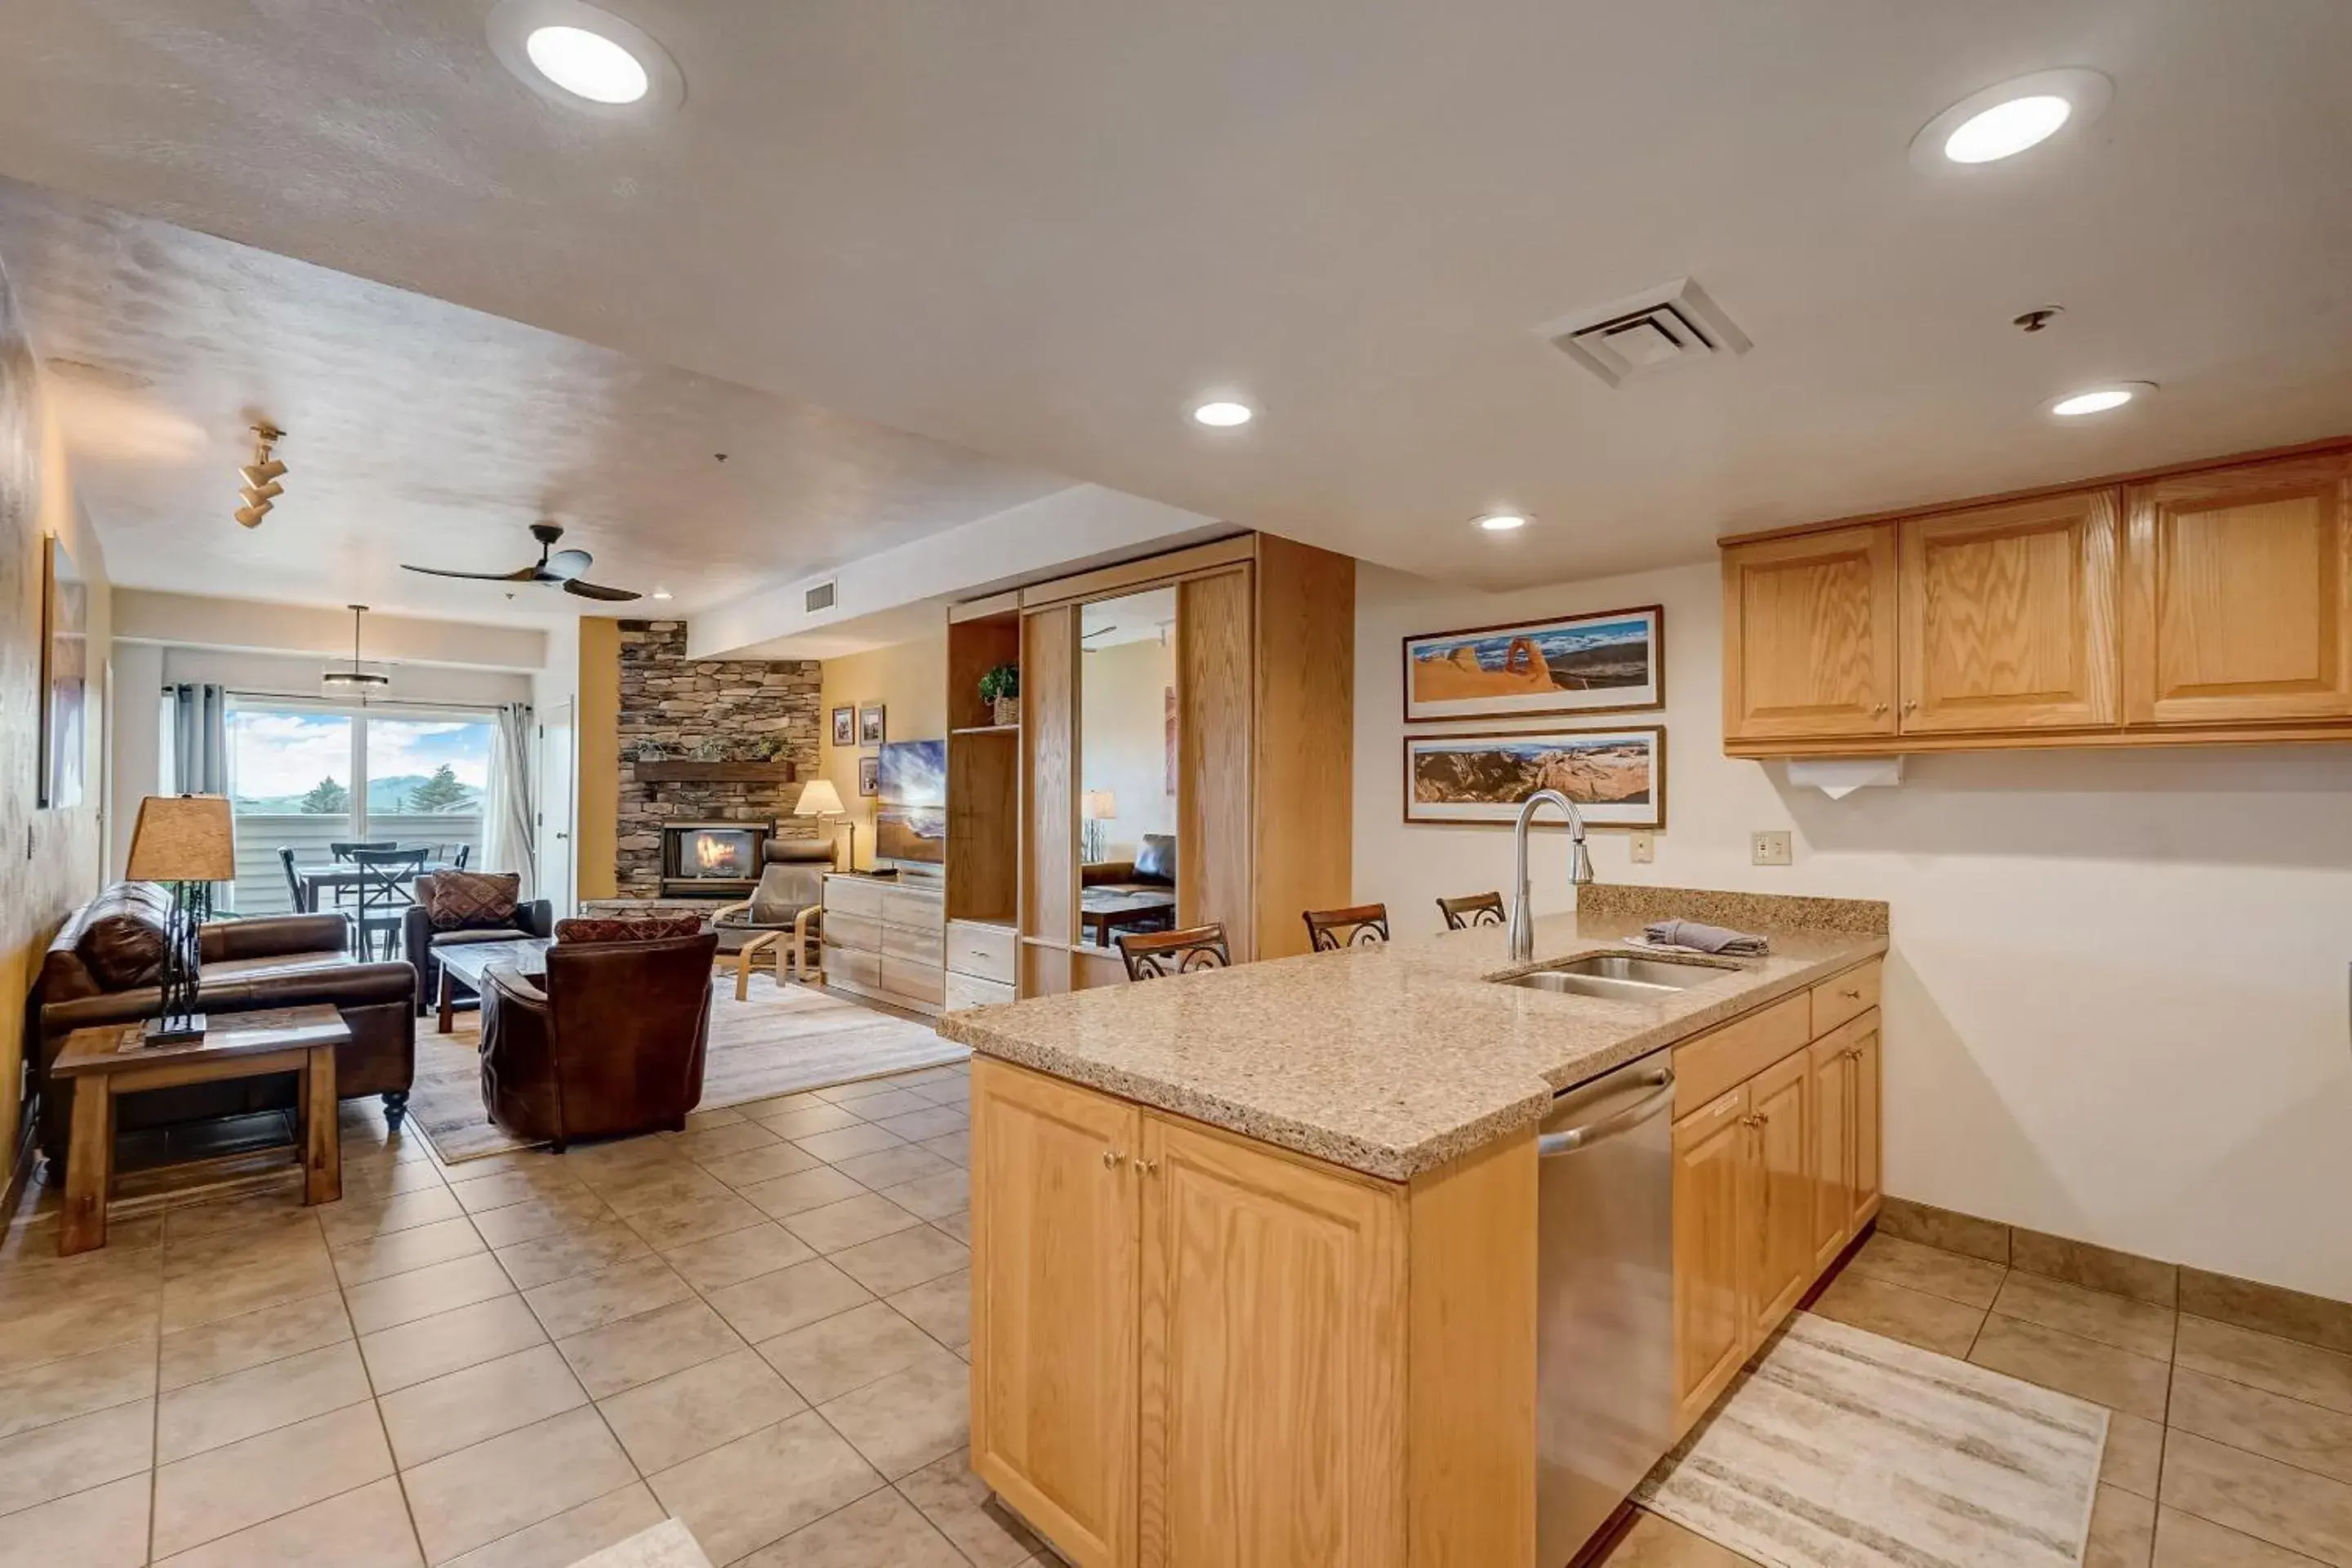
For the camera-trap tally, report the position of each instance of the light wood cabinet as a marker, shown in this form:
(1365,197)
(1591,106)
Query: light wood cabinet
(1773,1177)
(2207,606)
(1808,633)
(1273,1366)
(1191,1348)
(2241,595)
(1054,1262)
(884,939)
(2009,617)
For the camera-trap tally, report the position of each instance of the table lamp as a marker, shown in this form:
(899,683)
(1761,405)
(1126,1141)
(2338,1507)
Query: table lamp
(820,799)
(1097,806)
(181,839)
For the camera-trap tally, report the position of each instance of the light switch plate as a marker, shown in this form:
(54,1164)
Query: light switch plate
(1644,847)
(1769,848)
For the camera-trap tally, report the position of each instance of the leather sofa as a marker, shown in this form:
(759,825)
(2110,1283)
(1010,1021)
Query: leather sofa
(613,1043)
(102,966)
(1153,869)
(419,936)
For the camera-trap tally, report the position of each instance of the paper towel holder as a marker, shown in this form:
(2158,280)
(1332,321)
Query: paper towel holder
(1838,777)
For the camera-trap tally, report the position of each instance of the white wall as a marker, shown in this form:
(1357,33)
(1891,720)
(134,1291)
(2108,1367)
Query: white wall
(2117,1004)
(1123,739)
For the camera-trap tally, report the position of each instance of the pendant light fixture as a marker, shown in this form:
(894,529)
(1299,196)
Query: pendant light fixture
(260,476)
(355,680)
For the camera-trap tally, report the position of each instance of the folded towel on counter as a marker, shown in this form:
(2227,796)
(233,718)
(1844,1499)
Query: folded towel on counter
(1706,938)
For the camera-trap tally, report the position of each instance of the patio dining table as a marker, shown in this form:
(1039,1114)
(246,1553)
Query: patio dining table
(329,876)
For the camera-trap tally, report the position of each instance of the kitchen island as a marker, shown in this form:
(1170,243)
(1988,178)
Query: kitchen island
(1255,1251)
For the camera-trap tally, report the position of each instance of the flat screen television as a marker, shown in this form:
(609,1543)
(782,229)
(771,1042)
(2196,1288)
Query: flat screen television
(911,821)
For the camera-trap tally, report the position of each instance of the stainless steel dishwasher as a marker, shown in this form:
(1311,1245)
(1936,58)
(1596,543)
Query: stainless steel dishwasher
(1605,1299)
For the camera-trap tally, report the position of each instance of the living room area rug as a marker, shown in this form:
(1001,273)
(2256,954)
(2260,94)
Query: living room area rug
(1839,1446)
(780,1040)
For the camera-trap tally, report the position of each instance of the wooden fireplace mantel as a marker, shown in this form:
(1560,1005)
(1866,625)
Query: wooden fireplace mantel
(686,770)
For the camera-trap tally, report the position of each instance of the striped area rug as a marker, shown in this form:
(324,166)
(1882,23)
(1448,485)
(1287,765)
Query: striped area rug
(1841,1449)
(784,1039)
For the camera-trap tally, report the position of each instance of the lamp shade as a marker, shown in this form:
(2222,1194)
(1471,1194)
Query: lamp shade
(818,798)
(1100,805)
(183,838)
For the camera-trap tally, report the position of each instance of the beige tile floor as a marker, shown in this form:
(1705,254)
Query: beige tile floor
(2226,1449)
(757,1325)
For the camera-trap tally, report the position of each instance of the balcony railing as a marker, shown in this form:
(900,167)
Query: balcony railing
(261,887)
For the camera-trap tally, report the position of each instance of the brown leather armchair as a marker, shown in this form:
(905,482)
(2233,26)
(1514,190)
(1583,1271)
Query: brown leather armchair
(613,1044)
(101,968)
(420,936)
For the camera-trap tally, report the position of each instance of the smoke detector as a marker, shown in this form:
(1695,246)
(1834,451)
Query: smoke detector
(1657,329)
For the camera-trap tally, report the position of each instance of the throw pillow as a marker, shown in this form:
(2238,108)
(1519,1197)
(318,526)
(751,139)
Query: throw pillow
(459,900)
(121,942)
(1155,858)
(655,928)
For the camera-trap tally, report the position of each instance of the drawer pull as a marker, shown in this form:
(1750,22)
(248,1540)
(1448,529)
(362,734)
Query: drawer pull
(1851,993)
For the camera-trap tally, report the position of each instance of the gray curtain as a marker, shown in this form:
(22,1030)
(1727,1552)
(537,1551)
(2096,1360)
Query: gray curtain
(199,738)
(509,830)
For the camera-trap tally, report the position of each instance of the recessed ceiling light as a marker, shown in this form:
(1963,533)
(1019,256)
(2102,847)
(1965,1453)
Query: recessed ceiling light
(1502,521)
(661,592)
(1224,415)
(2005,120)
(585,59)
(589,64)
(2099,399)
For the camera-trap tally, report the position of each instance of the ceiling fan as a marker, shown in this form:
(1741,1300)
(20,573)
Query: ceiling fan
(562,567)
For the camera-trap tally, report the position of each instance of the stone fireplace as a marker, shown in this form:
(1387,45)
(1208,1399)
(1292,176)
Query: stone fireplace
(712,859)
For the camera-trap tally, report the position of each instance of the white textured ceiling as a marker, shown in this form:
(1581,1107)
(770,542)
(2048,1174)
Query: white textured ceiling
(1041,229)
(422,431)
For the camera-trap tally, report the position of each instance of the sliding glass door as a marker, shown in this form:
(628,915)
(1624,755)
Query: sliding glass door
(305,777)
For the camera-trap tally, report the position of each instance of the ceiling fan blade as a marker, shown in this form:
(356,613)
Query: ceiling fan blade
(591,591)
(564,565)
(522,576)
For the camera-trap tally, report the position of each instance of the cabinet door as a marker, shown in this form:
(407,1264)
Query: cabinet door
(1710,1309)
(1273,1325)
(1866,1048)
(1055,1249)
(1831,1085)
(1213,725)
(1777,1219)
(2009,617)
(1808,636)
(2238,602)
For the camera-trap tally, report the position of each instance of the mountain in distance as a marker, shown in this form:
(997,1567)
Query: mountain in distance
(385,796)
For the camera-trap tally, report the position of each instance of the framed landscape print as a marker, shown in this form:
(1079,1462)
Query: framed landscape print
(1613,662)
(845,726)
(870,725)
(1616,777)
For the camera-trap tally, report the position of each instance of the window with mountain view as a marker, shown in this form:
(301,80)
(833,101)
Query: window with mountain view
(306,777)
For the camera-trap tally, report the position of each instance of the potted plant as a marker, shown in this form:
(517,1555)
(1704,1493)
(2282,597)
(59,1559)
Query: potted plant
(1000,689)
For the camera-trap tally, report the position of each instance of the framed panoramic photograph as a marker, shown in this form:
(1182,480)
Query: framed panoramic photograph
(1616,777)
(845,726)
(869,776)
(1614,662)
(870,725)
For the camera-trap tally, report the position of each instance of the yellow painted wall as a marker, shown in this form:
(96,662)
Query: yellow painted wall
(910,680)
(65,864)
(598,785)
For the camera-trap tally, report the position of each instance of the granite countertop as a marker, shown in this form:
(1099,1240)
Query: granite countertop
(1392,1060)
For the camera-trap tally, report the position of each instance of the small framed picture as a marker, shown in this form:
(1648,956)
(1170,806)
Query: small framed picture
(845,726)
(869,776)
(870,725)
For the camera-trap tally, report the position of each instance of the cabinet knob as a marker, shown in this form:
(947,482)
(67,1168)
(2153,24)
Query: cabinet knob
(1878,708)
(1111,1159)
(1911,705)
(1148,1167)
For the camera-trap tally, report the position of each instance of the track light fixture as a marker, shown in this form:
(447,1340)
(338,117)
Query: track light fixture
(260,477)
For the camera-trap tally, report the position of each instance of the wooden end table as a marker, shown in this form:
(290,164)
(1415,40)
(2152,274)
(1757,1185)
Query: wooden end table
(467,961)
(110,1060)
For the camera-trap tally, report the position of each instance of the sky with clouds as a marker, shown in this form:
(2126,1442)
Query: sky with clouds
(275,753)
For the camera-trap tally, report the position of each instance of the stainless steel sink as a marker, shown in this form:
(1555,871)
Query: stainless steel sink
(1621,977)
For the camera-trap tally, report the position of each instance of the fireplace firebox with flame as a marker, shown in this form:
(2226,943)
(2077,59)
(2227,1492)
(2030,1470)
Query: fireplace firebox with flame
(711,858)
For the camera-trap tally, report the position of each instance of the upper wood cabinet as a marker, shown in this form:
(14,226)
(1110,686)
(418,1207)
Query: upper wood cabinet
(2009,617)
(2241,595)
(1808,636)
(2214,605)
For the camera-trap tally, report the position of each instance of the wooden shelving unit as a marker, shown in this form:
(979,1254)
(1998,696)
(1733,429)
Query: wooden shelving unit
(983,852)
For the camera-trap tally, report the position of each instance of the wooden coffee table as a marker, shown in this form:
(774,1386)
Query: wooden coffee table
(1101,911)
(111,1060)
(469,961)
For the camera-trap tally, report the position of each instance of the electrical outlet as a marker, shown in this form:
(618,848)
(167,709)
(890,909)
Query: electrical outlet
(1769,848)
(1644,847)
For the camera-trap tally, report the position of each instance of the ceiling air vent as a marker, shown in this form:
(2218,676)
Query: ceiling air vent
(819,597)
(1655,330)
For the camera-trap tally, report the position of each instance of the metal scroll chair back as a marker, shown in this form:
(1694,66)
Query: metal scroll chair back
(1473,910)
(386,877)
(1150,954)
(1359,925)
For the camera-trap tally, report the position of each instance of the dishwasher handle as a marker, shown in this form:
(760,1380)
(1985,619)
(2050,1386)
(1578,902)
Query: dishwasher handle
(1551,1145)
